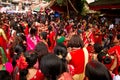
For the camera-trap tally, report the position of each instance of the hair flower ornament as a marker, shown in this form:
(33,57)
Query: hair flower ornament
(21,62)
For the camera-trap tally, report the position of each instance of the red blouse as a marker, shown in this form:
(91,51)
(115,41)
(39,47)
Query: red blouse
(52,41)
(77,60)
(115,50)
(37,76)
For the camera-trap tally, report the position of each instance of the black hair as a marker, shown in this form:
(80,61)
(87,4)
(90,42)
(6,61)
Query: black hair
(18,27)
(60,51)
(61,45)
(60,32)
(23,74)
(14,58)
(33,31)
(74,26)
(97,71)
(4,75)
(21,38)
(75,41)
(102,57)
(98,48)
(50,28)
(119,69)
(118,36)
(52,67)
(44,35)
(41,49)
(31,59)
(18,49)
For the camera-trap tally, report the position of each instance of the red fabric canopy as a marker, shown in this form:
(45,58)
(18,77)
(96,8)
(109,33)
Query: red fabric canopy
(59,8)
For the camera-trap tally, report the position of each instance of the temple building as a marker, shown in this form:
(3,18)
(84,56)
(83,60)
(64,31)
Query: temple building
(110,8)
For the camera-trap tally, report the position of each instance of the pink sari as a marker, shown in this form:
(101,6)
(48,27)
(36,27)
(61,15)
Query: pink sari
(9,67)
(32,42)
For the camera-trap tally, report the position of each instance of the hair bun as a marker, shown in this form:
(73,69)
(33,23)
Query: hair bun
(107,60)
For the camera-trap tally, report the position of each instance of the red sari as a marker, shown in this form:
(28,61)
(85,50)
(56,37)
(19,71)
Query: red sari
(37,76)
(77,60)
(2,40)
(115,50)
(51,37)
(2,44)
(98,36)
(88,38)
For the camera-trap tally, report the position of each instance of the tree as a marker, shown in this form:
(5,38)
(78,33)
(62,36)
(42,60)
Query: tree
(77,5)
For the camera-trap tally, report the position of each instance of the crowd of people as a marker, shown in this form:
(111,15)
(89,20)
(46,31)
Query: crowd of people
(50,47)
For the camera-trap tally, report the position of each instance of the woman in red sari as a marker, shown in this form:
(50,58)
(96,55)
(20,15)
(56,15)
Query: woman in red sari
(115,50)
(30,73)
(51,38)
(3,38)
(77,56)
(98,35)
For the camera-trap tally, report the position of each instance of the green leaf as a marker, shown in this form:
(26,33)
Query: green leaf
(59,1)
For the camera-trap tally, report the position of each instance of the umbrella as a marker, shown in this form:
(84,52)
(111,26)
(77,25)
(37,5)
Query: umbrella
(37,9)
